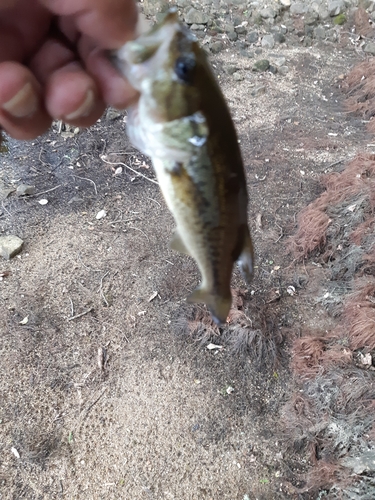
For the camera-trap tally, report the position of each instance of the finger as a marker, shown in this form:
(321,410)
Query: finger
(52,56)
(23,27)
(22,113)
(116,91)
(109,22)
(72,95)
(6,4)
(10,48)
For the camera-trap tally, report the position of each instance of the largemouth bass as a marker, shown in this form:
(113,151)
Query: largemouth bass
(182,122)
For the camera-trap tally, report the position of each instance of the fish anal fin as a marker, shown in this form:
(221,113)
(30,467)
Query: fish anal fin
(177,244)
(219,306)
(246,257)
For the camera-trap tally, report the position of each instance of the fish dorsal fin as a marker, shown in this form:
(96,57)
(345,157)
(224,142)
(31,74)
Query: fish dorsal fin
(177,244)
(219,306)
(246,258)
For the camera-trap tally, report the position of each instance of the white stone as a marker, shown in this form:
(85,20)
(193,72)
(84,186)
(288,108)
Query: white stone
(268,42)
(101,214)
(336,7)
(10,246)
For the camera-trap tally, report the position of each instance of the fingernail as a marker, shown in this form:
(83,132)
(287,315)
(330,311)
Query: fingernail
(23,104)
(85,108)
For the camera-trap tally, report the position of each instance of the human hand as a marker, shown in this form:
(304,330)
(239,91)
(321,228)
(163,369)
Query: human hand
(52,64)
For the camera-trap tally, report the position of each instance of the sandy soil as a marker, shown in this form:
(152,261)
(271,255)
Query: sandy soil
(153,415)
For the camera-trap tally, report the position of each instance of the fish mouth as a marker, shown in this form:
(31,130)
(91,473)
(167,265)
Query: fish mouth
(166,52)
(146,45)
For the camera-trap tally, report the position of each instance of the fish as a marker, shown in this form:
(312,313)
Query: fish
(182,122)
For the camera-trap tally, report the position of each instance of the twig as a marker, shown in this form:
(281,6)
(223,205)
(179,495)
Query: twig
(132,169)
(89,268)
(7,211)
(153,201)
(40,158)
(113,326)
(117,220)
(281,232)
(48,191)
(132,219)
(81,314)
(101,289)
(71,307)
(102,358)
(86,179)
(335,163)
(104,145)
(120,153)
(94,402)
(137,229)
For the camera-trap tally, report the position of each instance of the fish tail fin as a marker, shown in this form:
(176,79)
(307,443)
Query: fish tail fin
(219,306)
(246,258)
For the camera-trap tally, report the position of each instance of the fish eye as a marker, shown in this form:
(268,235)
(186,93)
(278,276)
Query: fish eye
(184,68)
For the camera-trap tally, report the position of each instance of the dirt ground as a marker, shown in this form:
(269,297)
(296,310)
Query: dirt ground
(106,391)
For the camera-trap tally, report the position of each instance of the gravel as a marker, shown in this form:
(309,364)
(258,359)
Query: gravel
(256,28)
(256,22)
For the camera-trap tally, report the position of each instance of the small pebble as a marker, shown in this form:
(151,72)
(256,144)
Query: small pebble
(10,246)
(258,90)
(238,76)
(283,70)
(101,214)
(216,47)
(268,42)
(25,189)
(261,65)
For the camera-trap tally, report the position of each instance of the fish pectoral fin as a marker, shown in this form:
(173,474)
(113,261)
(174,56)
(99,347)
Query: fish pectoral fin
(177,244)
(246,258)
(219,306)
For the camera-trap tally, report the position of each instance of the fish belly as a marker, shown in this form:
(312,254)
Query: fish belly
(194,237)
(188,220)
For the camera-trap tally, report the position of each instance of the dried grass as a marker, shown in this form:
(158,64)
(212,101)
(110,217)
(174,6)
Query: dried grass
(307,353)
(358,179)
(315,355)
(361,231)
(329,419)
(311,233)
(327,473)
(362,23)
(359,87)
(330,415)
(368,267)
(358,319)
(333,416)
(252,332)
(197,323)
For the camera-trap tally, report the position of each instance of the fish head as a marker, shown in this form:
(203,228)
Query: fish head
(163,65)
